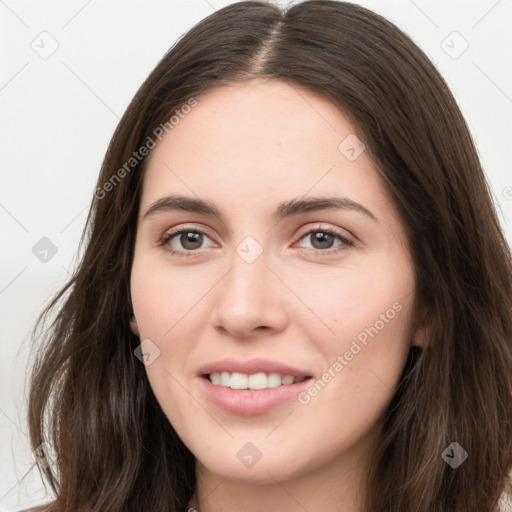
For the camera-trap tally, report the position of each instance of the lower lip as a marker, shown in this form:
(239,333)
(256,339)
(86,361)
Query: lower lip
(250,402)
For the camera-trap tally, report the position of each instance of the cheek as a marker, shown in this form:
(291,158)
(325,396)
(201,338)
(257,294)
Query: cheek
(162,297)
(352,299)
(368,314)
(169,311)
(164,308)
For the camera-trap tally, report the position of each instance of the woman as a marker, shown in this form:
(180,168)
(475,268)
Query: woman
(204,358)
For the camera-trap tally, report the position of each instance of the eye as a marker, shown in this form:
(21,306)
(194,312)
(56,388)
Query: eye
(189,239)
(323,238)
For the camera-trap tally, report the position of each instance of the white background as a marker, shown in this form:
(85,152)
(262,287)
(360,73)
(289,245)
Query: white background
(58,115)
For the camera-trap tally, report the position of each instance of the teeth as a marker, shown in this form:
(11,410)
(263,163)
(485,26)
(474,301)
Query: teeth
(259,380)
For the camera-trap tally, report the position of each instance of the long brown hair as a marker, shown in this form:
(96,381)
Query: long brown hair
(90,400)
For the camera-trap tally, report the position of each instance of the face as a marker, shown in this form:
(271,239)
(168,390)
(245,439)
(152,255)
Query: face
(259,283)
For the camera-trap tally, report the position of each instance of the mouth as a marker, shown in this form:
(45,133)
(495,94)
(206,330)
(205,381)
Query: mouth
(253,386)
(244,396)
(255,381)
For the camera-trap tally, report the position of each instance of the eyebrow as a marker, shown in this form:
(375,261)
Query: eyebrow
(286,209)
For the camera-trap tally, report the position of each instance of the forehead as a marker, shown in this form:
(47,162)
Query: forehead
(258,141)
(260,112)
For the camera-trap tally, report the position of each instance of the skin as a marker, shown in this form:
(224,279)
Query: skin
(246,148)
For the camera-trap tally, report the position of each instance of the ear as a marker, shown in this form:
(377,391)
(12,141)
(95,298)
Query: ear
(421,332)
(420,337)
(134,327)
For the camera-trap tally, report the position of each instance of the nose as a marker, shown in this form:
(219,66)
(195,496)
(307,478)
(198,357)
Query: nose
(250,298)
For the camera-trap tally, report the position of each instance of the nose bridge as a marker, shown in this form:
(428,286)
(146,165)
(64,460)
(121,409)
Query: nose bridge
(248,297)
(248,278)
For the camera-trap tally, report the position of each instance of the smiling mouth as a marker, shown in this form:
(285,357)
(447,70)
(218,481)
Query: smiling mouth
(255,381)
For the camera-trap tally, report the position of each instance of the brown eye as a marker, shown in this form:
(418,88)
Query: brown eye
(321,240)
(184,242)
(324,239)
(191,240)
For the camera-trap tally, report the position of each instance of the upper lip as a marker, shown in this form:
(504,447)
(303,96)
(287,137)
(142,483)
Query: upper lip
(251,367)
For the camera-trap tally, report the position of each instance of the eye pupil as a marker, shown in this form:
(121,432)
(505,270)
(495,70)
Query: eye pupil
(325,239)
(193,237)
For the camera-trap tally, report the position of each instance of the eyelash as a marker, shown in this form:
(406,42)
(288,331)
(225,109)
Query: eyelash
(167,237)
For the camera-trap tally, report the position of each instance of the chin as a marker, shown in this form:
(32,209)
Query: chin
(261,461)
